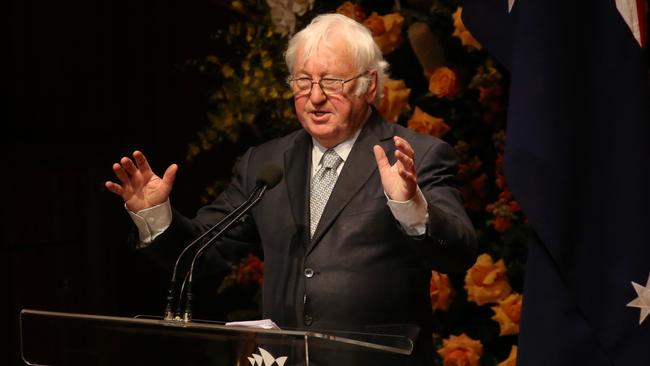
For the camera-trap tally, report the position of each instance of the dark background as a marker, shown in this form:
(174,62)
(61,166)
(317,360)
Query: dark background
(89,82)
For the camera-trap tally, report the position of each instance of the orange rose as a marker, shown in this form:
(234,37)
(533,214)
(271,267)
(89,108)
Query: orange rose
(444,83)
(375,24)
(427,124)
(386,30)
(507,314)
(486,282)
(462,33)
(461,351)
(512,358)
(351,11)
(395,99)
(440,291)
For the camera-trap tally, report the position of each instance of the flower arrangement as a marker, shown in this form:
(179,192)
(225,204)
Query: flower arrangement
(442,83)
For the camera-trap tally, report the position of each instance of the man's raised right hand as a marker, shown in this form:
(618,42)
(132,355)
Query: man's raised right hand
(140,188)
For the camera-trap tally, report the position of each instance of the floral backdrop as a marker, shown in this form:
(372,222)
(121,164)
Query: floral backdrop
(441,83)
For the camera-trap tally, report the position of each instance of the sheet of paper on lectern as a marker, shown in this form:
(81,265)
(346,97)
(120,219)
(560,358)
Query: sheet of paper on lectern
(260,324)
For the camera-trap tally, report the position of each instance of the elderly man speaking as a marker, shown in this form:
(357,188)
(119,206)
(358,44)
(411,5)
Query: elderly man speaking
(365,211)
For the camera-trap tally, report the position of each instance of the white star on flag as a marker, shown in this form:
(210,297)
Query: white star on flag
(643,301)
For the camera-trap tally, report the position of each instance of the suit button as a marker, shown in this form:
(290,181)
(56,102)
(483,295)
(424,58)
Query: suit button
(309,273)
(308,319)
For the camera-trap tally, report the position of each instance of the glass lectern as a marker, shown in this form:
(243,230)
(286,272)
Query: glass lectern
(56,338)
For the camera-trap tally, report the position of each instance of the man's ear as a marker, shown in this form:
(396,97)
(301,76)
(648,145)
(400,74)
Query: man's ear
(371,92)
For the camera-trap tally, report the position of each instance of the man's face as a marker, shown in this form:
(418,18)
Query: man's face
(331,118)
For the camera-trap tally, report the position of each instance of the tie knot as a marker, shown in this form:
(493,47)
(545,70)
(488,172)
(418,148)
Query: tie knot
(331,159)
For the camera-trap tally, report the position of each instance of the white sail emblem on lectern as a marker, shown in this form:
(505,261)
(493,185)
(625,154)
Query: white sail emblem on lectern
(266,359)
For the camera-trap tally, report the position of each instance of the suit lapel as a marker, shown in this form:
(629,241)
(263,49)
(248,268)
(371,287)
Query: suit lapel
(357,170)
(297,168)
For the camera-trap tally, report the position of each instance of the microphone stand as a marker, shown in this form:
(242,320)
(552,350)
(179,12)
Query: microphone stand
(187,314)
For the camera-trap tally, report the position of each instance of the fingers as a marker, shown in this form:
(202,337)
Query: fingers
(114,187)
(405,154)
(121,173)
(141,162)
(399,180)
(407,162)
(128,165)
(380,157)
(407,175)
(170,174)
(403,146)
(125,171)
(126,168)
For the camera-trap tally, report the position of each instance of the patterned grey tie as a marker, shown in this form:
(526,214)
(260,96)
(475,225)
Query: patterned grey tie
(321,186)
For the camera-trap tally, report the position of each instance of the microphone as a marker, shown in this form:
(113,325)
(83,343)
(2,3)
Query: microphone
(268,177)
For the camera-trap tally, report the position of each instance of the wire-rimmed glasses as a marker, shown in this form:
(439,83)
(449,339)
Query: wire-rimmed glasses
(303,85)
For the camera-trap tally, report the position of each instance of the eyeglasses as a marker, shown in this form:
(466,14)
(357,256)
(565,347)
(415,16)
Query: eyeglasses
(303,86)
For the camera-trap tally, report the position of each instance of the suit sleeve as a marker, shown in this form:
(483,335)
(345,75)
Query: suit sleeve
(450,241)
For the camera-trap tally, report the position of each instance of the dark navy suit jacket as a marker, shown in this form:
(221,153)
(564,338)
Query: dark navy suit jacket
(366,270)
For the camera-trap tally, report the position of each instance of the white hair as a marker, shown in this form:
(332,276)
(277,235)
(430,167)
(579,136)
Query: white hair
(365,53)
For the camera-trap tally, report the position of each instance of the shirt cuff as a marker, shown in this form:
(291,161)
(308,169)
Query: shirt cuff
(151,222)
(412,214)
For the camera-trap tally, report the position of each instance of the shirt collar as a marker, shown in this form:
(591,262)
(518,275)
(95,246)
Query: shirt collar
(343,149)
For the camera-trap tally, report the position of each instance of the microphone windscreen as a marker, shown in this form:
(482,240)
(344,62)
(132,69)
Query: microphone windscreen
(270,174)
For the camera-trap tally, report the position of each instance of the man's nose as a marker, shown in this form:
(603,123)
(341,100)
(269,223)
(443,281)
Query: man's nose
(317,96)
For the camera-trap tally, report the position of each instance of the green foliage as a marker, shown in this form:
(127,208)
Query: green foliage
(248,90)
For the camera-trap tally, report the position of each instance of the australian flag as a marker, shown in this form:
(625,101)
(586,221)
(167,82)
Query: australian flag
(578,161)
